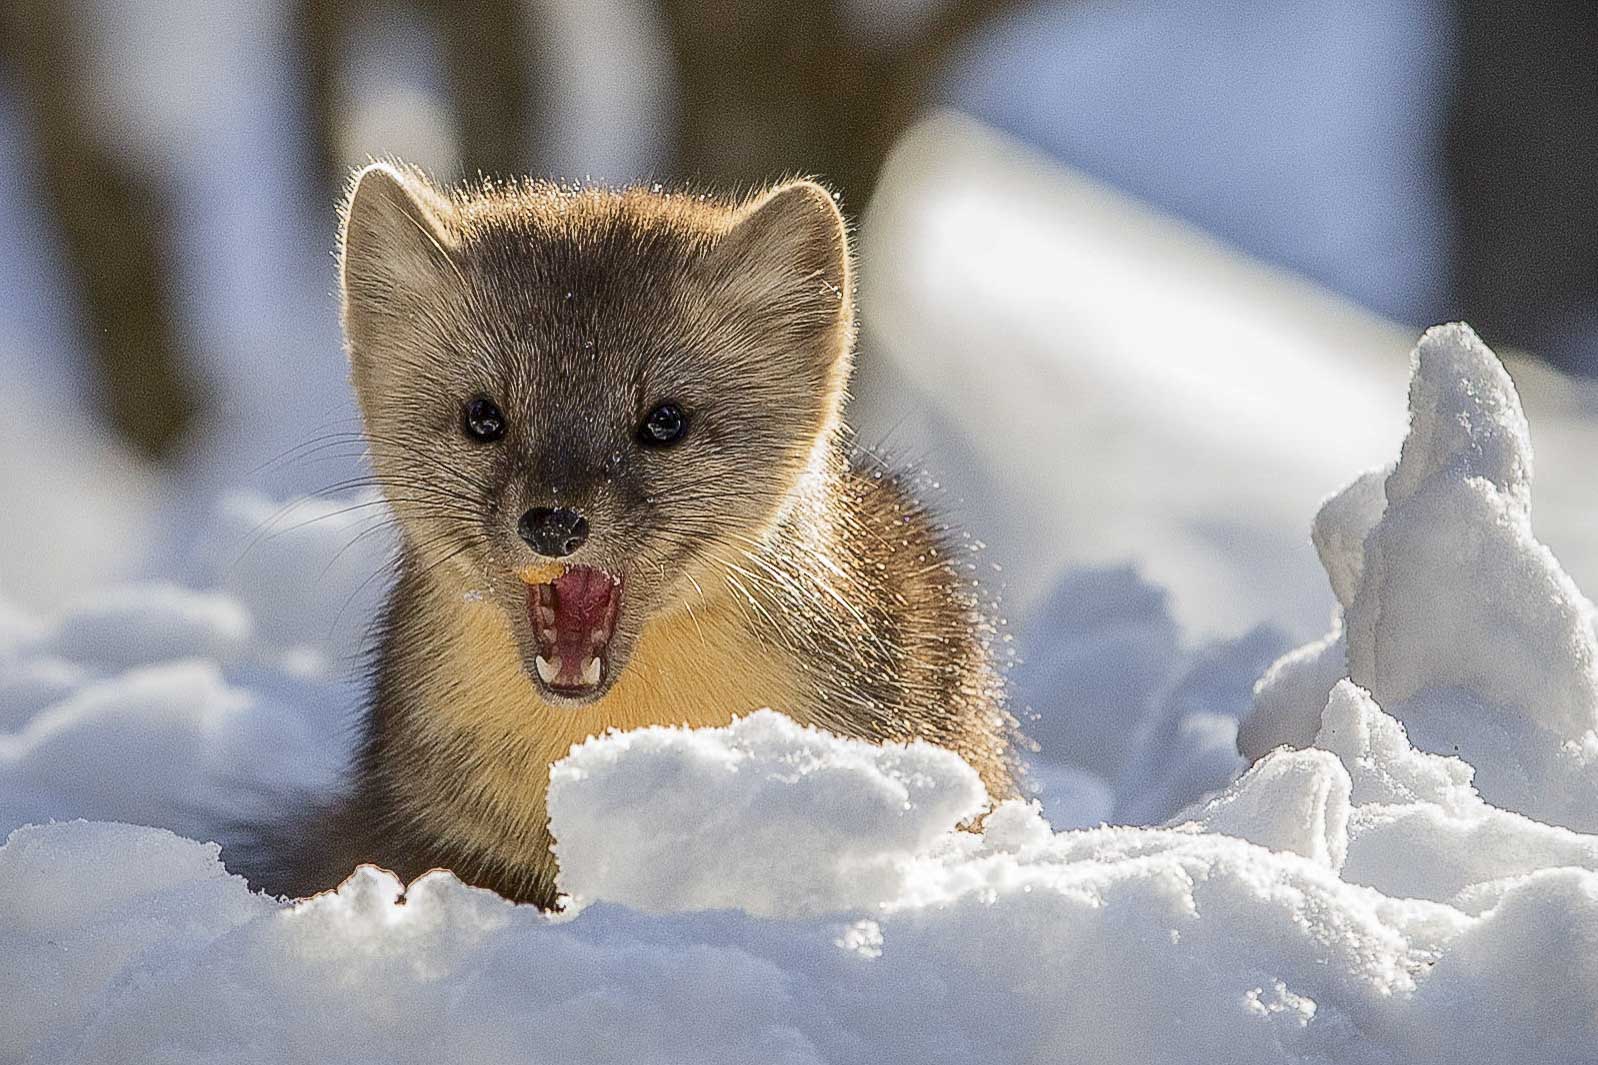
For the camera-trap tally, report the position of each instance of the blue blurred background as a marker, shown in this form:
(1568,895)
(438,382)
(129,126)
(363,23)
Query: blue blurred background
(168,170)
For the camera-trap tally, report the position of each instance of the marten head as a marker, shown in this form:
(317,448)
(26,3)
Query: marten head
(585,405)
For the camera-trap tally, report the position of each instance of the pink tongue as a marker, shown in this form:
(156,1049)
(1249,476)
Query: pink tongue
(582,602)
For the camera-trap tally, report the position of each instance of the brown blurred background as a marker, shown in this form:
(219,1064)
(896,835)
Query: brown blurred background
(745,90)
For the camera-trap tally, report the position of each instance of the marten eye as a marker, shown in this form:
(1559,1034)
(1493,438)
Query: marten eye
(483,420)
(664,426)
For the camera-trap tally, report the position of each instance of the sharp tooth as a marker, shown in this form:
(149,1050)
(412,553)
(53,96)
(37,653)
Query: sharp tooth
(546,669)
(591,672)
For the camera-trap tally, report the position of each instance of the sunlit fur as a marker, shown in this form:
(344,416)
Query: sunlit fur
(762,567)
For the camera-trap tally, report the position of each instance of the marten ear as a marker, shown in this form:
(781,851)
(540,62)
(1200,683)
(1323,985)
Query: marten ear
(787,256)
(395,247)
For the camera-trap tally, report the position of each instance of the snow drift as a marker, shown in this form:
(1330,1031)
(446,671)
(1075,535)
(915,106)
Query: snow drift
(1452,615)
(764,892)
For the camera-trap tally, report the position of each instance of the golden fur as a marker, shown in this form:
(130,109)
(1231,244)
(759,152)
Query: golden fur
(764,566)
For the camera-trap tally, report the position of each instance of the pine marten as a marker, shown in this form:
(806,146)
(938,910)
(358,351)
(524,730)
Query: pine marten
(609,426)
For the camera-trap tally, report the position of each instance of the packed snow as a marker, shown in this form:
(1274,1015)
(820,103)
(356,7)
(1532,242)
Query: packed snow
(1403,874)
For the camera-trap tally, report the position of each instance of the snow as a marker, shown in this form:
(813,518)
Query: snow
(831,825)
(1409,881)
(1415,878)
(1452,614)
(168,704)
(1165,399)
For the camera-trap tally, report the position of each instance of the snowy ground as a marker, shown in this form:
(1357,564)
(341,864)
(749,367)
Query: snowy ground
(1412,879)
(763,892)
(767,893)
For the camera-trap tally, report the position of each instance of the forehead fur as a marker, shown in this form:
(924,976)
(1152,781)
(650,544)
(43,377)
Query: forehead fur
(490,264)
(624,251)
(588,216)
(553,229)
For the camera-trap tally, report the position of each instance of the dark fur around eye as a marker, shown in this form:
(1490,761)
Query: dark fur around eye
(664,426)
(482,420)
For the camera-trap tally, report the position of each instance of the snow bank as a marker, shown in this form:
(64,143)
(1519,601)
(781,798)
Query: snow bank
(1452,614)
(1190,943)
(1408,882)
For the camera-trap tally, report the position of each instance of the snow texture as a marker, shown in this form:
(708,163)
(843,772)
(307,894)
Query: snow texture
(184,707)
(1452,614)
(766,892)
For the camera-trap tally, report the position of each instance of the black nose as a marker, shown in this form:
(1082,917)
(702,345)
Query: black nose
(553,531)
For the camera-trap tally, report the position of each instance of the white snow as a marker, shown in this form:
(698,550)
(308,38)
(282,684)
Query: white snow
(760,816)
(1452,614)
(763,892)
(182,706)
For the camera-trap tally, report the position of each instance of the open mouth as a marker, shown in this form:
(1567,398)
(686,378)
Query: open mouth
(573,615)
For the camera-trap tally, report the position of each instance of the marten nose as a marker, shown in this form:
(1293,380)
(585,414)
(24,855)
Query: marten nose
(553,531)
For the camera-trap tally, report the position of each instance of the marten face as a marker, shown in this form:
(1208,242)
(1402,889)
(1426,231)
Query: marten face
(586,407)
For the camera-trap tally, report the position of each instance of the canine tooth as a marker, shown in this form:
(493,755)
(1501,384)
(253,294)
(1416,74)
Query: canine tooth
(591,672)
(546,669)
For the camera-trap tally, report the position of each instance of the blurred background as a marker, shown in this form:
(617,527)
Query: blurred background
(167,168)
(168,173)
(1139,283)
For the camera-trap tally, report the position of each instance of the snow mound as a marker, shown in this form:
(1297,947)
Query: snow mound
(832,823)
(1230,937)
(184,705)
(1452,614)
(1130,725)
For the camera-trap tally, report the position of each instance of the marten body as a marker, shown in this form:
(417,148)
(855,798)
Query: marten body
(609,427)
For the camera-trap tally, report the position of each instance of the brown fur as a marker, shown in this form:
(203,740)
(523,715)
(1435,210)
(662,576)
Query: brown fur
(763,568)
